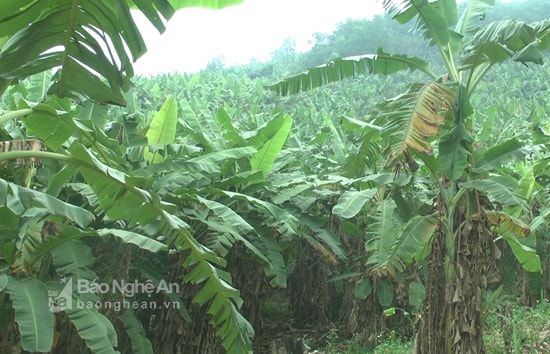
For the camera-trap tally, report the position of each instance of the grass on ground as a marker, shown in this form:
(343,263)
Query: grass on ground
(512,329)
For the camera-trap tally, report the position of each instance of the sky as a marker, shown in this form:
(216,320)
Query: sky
(252,29)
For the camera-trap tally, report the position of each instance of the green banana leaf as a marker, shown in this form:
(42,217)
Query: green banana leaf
(526,256)
(19,199)
(472,15)
(496,156)
(134,328)
(92,43)
(433,23)
(351,202)
(162,129)
(29,298)
(500,189)
(500,41)
(380,63)
(265,157)
(134,238)
(96,329)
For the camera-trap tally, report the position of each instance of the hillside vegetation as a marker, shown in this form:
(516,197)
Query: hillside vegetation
(326,200)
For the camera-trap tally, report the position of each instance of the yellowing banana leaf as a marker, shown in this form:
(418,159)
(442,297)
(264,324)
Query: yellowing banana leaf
(413,117)
(508,222)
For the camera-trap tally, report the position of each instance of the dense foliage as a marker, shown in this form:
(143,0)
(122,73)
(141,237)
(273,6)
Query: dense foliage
(246,200)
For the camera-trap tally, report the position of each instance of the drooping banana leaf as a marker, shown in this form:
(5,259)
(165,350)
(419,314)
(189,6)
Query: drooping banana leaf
(134,328)
(20,199)
(411,118)
(72,258)
(453,152)
(327,237)
(72,35)
(366,156)
(417,293)
(543,33)
(139,240)
(384,292)
(363,288)
(96,329)
(118,195)
(508,223)
(49,122)
(383,228)
(339,69)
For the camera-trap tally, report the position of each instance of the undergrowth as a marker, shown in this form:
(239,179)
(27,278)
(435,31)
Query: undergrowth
(518,329)
(513,328)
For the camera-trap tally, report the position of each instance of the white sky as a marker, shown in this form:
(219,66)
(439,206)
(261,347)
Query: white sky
(252,29)
(249,30)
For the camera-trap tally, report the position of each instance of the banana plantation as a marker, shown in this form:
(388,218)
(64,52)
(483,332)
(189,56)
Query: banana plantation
(391,182)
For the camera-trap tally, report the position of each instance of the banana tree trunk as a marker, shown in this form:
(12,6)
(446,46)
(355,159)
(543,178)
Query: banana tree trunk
(429,338)
(311,301)
(452,320)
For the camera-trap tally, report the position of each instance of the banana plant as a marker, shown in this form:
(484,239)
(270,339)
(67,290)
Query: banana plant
(168,196)
(112,199)
(428,130)
(93,45)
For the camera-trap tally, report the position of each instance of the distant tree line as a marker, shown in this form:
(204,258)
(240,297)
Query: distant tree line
(359,36)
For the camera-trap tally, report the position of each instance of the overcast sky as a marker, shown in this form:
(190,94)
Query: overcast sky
(252,29)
